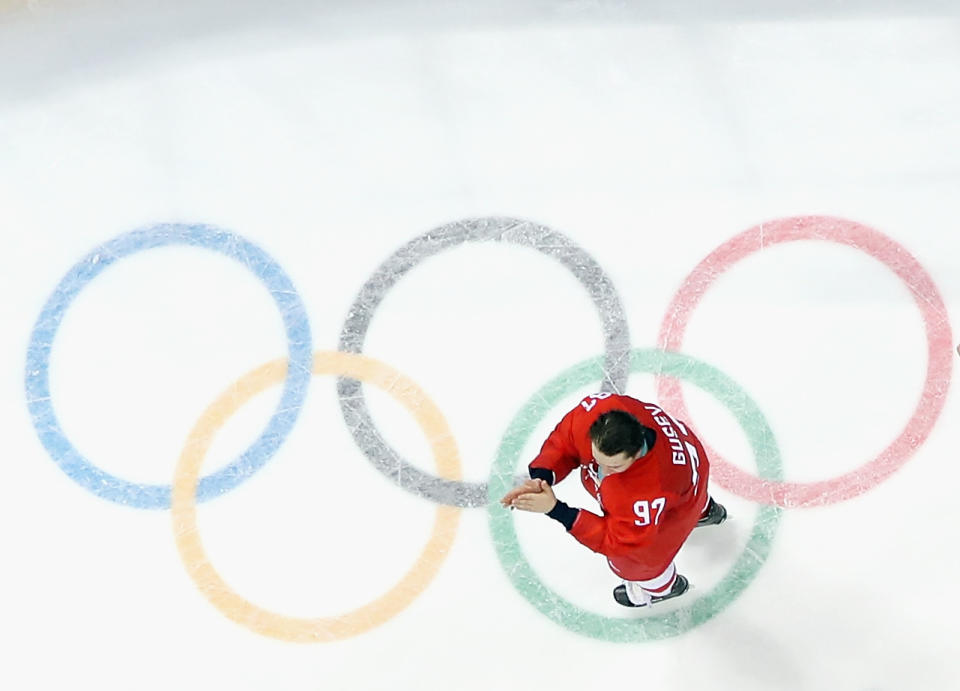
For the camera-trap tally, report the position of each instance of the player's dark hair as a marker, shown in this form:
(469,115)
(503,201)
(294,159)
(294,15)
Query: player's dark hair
(616,432)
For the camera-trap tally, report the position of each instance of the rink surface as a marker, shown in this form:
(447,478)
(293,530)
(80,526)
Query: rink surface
(484,213)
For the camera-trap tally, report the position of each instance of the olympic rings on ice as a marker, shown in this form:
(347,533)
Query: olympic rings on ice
(447,488)
(939,353)
(296,326)
(766,454)
(287,628)
(356,414)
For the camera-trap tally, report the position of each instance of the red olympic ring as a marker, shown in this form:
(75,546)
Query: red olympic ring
(939,350)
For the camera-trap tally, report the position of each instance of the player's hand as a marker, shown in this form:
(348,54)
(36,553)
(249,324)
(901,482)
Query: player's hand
(526,488)
(541,501)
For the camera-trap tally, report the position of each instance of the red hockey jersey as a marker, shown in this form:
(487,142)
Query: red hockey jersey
(650,508)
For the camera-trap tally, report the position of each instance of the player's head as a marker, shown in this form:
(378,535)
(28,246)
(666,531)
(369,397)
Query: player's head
(617,438)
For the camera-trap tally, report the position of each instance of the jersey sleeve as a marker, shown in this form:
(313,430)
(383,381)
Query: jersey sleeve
(558,454)
(612,535)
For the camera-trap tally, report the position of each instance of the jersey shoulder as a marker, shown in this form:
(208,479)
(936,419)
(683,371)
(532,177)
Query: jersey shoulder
(599,403)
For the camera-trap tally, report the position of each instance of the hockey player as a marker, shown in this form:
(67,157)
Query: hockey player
(649,474)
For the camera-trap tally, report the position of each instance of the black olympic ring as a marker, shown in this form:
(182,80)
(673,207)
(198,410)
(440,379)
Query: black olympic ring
(356,414)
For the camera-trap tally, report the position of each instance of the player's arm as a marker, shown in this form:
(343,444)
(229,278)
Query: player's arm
(558,455)
(612,535)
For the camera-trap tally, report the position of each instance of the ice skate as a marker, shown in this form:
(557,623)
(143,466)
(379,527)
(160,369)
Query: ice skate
(716,514)
(680,586)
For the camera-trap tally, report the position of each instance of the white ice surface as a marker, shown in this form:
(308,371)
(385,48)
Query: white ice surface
(330,136)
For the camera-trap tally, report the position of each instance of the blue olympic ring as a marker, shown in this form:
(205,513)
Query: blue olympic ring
(296,326)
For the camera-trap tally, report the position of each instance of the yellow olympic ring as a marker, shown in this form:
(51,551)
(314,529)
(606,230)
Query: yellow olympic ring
(304,630)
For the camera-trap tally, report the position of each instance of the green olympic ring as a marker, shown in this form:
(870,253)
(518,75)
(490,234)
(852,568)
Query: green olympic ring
(648,628)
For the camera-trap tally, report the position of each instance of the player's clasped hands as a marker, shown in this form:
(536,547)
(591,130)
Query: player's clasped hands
(533,495)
